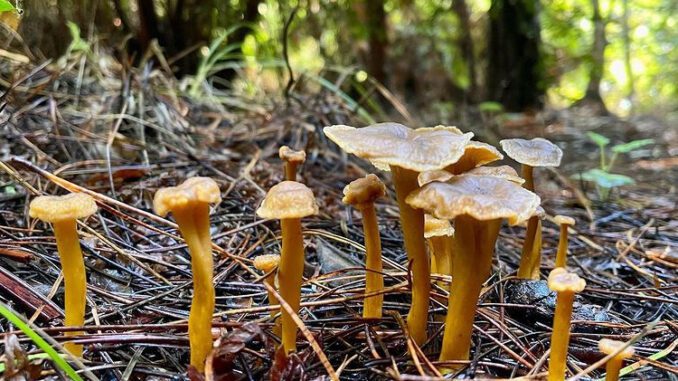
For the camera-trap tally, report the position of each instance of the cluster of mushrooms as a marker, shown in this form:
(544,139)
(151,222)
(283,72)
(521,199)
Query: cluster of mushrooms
(452,206)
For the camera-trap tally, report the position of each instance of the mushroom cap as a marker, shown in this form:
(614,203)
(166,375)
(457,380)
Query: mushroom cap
(430,176)
(560,280)
(436,227)
(266,262)
(61,208)
(608,346)
(481,197)
(363,191)
(503,171)
(288,199)
(537,152)
(288,154)
(193,190)
(475,155)
(392,144)
(563,220)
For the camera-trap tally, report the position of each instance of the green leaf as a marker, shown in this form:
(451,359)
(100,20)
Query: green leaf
(632,145)
(597,138)
(6,6)
(491,107)
(606,179)
(77,44)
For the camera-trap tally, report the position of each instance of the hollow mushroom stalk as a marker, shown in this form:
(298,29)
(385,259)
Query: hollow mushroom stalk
(614,364)
(289,202)
(405,153)
(477,204)
(189,203)
(63,212)
(566,285)
(533,153)
(292,159)
(362,194)
(267,264)
(564,222)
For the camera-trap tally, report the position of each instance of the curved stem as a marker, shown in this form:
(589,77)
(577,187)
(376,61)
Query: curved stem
(612,369)
(374,280)
(290,273)
(412,225)
(561,255)
(75,281)
(560,337)
(530,258)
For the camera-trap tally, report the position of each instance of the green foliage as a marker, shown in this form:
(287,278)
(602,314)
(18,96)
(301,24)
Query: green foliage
(6,6)
(632,145)
(599,139)
(606,179)
(491,107)
(77,43)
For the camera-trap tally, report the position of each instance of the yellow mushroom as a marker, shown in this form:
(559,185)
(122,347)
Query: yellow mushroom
(566,285)
(407,152)
(267,264)
(289,202)
(614,364)
(563,222)
(189,204)
(292,160)
(62,212)
(361,194)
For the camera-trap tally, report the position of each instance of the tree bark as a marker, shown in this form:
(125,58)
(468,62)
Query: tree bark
(627,57)
(466,47)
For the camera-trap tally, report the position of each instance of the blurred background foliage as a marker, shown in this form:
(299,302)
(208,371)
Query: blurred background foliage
(437,56)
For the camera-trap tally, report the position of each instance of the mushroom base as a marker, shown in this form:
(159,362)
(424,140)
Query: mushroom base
(290,274)
(530,259)
(560,337)
(374,280)
(612,369)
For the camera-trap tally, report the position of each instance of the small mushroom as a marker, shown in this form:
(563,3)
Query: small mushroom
(63,212)
(292,160)
(614,364)
(537,152)
(475,155)
(563,222)
(439,234)
(407,152)
(361,194)
(478,204)
(289,202)
(566,285)
(267,264)
(189,203)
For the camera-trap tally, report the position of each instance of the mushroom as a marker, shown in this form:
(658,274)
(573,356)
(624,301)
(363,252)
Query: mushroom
(267,263)
(537,152)
(566,285)
(439,234)
(289,201)
(292,160)
(477,204)
(563,222)
(406,152)
(614,364)
(475,155)
(189,203)
(63,212)
(361,194)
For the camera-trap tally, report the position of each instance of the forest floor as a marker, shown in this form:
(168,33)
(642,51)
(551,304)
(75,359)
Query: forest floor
(124,139)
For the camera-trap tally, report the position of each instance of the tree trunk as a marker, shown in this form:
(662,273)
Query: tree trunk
(592,99)
(466,46)
(627,57)
(515,74)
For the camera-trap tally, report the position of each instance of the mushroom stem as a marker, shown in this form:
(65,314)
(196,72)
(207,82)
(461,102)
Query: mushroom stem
(561,255)
(474,245)
(612,368)
(412,225)
(441,260)
(290,272)
(270,280)
(560,337)
(291,170)
(75,283)
(528,176)
(374,280)
(193,224)
(530,259)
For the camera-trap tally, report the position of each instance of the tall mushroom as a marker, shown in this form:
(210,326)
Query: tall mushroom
(477,204)
(537,152)
(189,203)
(63,212)
(289,202)
(292,160)
(361,194)
(406,152)
(267,263)
(563,222)
(614,364)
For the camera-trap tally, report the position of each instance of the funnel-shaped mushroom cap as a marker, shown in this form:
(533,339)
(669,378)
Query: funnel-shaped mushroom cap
(191,191)
(436,175)
(266,262)
(560,280)
(503,171)
(363,191)
(61,208)
(436,227)
(387,144)
(563,220)
(609,347)
(288,154)
(289,199)
(481,197)
(475,155)
(537,152)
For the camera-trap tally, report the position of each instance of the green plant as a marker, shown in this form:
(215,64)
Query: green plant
(6,6)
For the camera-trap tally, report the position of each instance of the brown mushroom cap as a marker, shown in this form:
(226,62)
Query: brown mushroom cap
(475,155)
(537,152)
(61,208)
(288,154)
(503,171)
(193,190)
(289,199)
(387,144)
(608,347)
(481,197)
(563,220)
(436,227)
(436,175)
(560,280)
(363,191)
(266,262)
